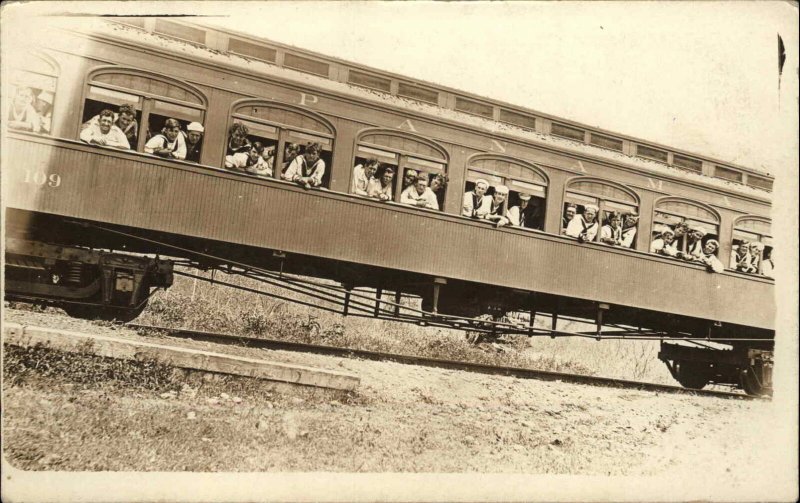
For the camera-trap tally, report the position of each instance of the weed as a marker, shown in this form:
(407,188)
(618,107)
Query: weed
(23,363)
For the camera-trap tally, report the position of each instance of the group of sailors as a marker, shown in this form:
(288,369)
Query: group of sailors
(31,110)
(745,257)
(476,204)
(696,250)
(752,257)
(371,179)
(121,130)
(619,229)
(419,189)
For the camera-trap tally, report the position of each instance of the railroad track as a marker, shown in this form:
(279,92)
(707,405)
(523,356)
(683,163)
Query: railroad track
(518,372)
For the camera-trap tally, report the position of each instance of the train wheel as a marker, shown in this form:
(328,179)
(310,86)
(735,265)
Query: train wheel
(752,381)
(693,375)
(105,313)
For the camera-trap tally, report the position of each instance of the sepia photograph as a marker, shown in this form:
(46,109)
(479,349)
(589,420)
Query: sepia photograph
(399,251)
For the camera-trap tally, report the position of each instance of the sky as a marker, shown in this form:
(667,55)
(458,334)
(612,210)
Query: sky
(701,77)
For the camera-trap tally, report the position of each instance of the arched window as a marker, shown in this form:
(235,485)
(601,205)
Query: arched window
(33,83)
(520,177)
(406,154)
(681,216)
(153,98)
(610,198)
(284,131)
(752,246)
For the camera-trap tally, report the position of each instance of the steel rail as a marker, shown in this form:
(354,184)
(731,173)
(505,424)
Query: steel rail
(519,372)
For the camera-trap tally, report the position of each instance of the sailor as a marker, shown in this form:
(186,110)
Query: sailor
(362,175)
(496,205)
(307,169)
(709,258)
(694,243)
(665,243)
(756,254)
(193,137)
(43,104)
(169,143)
(569,214)
(409,178)
(629,229)
(583,226)
(420,195)
(741,259)
(611,233)
(250,161)
(476,203)
(104,132)
(382,188)
(523,215)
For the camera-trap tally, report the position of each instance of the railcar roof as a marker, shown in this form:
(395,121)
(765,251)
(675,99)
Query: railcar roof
(138,36)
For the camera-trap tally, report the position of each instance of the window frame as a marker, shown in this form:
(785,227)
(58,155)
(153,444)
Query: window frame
(761,236)
(283,131)
(684,218)
(506,179)
(601,201)
(18,65)
(147,99)
(402,156)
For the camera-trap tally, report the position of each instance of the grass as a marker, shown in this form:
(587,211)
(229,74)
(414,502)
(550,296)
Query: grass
(200,305)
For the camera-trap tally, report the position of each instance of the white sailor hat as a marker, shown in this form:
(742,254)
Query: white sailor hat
(667,230)
(480,181)
(525,197)
(195,126)
(501,189)
(713,242)
(591,207)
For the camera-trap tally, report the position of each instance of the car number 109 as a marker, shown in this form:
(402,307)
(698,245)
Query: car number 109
(41,178)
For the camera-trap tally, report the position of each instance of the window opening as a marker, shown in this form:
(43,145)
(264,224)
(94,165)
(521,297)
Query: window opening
(410,160)
(522,181)
(383,182)
(607,201)
(692,227)
(33,91)
(752,247)
(141,105)
(279,135)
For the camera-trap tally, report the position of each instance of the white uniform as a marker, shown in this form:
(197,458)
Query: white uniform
(627,236)
(578,226)
(410,196)
(712,262)
(660,247)
(376,188)
(476,206)
(611,233)
(178,147)
(299,168)
(114,138)
(360,181)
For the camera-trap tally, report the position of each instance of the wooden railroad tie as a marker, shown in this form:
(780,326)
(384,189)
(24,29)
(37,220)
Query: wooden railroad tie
(193,359)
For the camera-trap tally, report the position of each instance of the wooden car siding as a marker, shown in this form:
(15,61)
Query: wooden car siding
(190,200)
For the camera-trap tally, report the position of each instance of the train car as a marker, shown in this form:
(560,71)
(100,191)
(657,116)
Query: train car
(94,227)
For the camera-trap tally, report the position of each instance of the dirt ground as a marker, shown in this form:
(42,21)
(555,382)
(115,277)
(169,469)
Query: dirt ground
(402,418)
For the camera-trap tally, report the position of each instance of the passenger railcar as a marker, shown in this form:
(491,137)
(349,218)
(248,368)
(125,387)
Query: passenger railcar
(87,226)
